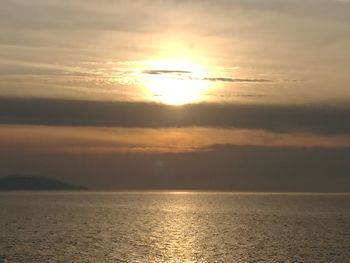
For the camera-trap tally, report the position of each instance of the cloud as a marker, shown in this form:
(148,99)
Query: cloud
(56,15)
(27,138)
(160,72)
(263,43)
(236,80)
(318,119)
(186,75)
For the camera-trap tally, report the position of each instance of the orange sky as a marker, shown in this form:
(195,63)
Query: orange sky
(101,50)
(90,86)
(78,140)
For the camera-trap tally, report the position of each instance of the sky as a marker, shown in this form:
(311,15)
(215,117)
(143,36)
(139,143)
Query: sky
(245,95)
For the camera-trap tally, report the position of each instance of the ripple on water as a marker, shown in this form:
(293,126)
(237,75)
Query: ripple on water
(164,227)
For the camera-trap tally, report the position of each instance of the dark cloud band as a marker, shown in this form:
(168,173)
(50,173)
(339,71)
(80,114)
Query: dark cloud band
(276,118)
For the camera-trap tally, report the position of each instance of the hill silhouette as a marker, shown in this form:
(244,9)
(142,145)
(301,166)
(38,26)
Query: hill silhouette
(21,182)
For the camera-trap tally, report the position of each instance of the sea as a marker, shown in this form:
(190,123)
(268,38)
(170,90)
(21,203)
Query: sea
(174,227)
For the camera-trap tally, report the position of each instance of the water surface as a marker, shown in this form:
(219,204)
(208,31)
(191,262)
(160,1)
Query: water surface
(174,227)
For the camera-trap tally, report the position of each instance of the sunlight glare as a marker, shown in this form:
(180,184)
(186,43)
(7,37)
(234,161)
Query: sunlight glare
(175,82)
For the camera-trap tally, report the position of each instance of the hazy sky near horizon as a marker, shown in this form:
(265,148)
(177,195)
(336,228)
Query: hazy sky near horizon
(95,89)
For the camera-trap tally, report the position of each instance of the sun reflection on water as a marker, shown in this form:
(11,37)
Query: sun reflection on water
(178,232)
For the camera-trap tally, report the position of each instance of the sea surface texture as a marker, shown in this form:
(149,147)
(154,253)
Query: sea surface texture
(174,227)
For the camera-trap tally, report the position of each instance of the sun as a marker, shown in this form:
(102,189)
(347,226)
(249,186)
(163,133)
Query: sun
(176,81)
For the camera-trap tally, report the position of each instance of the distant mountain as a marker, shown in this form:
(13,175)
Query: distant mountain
(20,182)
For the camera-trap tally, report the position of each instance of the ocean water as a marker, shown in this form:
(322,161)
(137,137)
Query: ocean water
(174,227)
